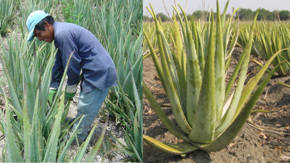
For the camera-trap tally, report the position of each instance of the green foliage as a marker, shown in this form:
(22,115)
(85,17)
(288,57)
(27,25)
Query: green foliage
(118,26)
(248,14)
(245,14)
(192,66)
(264,14)
(7,10)
(271,38)
(284,15)
(199,14)
(35,131)
(73,10)
(146,18)
(162,17)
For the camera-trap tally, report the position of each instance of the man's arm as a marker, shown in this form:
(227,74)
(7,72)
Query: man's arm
(68,48)
(57,71)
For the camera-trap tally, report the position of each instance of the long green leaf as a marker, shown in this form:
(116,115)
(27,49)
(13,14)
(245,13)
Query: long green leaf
(205,116)
(93,152)
(181,148)
(52,143)
(13,152)
(69,142)
(163,117)
(236,126)
(82,149)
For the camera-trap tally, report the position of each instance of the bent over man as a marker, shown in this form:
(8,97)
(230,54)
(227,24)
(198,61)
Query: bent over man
(89,57)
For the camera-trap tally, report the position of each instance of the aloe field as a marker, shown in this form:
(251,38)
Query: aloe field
(208,86)
(33,130)
(216,90)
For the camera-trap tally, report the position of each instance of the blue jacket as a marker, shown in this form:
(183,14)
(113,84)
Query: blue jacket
(89,56)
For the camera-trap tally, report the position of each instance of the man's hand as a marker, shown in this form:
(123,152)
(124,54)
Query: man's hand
(51,94)
(69,96)
(70,92)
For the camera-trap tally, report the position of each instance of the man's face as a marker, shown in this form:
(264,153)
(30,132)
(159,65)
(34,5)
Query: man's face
(47,35)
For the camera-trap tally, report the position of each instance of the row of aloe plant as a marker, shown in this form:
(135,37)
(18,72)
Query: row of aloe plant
(121,32)
(130,82)
(40,132)
(208,110)
(269,38)
(35,130)
(118,26)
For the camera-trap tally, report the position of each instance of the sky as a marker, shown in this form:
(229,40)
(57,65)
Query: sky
(192,5)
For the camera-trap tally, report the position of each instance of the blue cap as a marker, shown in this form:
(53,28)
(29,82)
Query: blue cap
(34,18)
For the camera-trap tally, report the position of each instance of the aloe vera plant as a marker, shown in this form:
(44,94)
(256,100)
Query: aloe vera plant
(117,25)
(35,131)
(208,111)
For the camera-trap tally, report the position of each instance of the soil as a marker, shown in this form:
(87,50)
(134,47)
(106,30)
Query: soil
(264,138)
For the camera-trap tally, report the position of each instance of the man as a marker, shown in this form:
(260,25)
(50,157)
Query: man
(89,57)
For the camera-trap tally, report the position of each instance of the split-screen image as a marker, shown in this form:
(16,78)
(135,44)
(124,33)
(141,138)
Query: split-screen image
(144,81)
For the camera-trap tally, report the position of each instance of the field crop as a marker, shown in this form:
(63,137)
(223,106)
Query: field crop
(32,127)
(192,60)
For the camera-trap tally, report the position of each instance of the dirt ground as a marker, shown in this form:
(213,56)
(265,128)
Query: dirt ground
(264,138)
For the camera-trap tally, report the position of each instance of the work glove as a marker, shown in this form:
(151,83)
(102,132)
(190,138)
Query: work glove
(70,92)
(51,94)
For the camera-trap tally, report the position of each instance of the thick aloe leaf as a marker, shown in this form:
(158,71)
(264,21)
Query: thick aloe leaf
(232,111)
(178,149)
(254,81)
(82,149)
(227,136)
(46,79)
(155,58)
(32,151)
(167,82)
(237,69)
(13,152)
(26,132)
(171,88)
(223,17)
(205,116)
(28,89)
(13,95)
(37,142)
(163,117)
(138,123)
(219,64)
(178,43)
(52,143)
(62,155)
(193,73)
